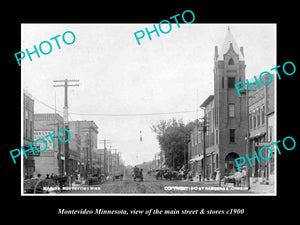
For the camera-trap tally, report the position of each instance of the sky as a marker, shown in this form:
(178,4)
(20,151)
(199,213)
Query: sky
(120,80)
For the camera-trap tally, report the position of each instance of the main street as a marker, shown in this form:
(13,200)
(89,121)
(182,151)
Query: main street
(152,186)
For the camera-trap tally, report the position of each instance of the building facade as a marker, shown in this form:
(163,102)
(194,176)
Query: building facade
(28,135)
(262,130)
(84,144)
(51,161)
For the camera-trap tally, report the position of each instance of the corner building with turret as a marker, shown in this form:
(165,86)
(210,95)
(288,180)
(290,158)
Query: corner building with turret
(225,114)
(231,121)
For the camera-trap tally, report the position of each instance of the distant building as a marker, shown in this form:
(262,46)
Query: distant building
(101,160)
(53,159)
(84,133)
(28,134)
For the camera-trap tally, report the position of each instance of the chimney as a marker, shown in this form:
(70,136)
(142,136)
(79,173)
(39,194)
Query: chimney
(216,52)
(242,50)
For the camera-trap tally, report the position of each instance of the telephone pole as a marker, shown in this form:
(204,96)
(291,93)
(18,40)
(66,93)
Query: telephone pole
(66,121)
(114,162)
(88,143)
(57,126)
(204,126)
(105,163)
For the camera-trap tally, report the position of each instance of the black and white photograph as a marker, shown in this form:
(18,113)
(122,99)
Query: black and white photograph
(149,113)
(131,109)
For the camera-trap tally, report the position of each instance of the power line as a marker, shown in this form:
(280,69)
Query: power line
(46,104)
(117,115)
(133,114)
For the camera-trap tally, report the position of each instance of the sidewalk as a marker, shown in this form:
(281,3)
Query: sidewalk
(258,188)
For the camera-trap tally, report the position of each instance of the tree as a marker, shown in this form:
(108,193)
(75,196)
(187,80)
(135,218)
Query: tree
(172,137)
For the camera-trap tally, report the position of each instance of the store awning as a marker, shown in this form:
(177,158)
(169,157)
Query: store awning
(257,135)
(196,158)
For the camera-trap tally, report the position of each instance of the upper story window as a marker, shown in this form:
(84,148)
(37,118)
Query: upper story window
(231,110)
(231,82)
(258,118)
(231,135)
(263,115)
(222,82)
(230,62)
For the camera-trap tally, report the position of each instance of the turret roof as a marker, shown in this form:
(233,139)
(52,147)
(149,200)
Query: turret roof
(226,45)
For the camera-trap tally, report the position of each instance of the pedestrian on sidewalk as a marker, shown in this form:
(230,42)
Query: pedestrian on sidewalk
(218,174)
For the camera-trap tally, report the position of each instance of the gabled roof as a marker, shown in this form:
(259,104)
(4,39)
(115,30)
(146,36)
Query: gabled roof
(226,45)
(208,100)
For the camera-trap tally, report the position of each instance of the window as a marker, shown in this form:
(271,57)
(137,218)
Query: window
(254,122)
(222,82)
(26,130)
(263,115)
(231,135)
(231,110)
(258,118)
(270,133)
(230,62)
(231,82)
(250,122)
(31,129)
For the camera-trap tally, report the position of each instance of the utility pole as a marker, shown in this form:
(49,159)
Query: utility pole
(204,147)
(246,93)
(114,158)
(66,121)
(187,140)
(204,129)
(118,162)
(105,162)
(89,147)
(173,156)
(60,172)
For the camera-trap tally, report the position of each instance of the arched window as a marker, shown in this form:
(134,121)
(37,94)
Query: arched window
(230,62)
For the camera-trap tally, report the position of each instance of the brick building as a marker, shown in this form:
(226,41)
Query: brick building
(53,159)
(84,143)
(225,114)
(28,134)
(262,127)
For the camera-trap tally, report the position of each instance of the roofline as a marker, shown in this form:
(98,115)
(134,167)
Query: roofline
(208,100)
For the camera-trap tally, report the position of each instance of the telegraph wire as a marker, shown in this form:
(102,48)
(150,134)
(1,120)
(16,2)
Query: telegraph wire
(117,115)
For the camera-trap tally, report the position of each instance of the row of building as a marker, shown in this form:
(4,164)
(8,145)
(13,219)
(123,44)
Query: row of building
(85,158)
(228,118)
